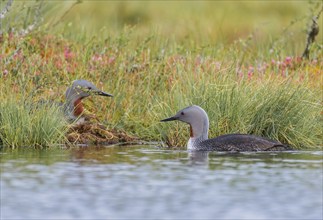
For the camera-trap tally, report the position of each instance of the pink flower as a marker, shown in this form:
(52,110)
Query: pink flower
(111,60)
(5,72)
(250,72)
(68,54)
(58,64)
(288,59)
(96,57)
(273,62)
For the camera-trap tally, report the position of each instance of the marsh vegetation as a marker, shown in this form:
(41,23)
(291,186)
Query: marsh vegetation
(158,57)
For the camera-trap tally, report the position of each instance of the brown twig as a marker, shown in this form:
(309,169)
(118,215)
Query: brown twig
(312,33)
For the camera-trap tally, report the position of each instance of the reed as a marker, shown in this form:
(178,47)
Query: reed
(26,124)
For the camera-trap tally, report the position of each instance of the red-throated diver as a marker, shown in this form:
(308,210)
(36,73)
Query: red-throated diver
(198,120)
(79,90)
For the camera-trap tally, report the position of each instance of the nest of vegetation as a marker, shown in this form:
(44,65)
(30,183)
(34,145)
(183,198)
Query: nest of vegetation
(96,133)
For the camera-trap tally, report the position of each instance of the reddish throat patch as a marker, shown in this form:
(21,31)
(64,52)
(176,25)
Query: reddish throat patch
(78,107)
(191,131)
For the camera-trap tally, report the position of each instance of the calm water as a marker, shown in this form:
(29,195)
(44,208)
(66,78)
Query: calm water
(146,182)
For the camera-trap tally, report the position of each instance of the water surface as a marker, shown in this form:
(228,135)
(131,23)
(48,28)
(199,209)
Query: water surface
(145,182)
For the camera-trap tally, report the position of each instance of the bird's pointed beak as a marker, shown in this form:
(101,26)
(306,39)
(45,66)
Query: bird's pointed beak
(101,93)
(173,118)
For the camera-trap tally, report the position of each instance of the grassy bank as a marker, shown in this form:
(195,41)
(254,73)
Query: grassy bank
(24,123)
(249,84)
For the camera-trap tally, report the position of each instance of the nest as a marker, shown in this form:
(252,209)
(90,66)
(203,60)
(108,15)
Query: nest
(96,133)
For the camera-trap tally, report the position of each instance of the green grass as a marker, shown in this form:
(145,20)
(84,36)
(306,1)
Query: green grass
(155,63)
(27,124)
(280,111)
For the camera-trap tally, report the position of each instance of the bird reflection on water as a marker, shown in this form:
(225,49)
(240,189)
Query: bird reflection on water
(198,157)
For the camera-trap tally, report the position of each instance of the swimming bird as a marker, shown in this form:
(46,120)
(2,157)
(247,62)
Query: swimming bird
(198,120)
(74,95)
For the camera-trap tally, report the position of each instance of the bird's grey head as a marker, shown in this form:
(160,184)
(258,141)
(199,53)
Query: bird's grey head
(190,115)
(82,88)
(198,120)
